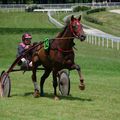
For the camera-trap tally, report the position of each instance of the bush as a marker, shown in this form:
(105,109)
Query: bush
(32,7)
(95,10)
(92,19)
(80,8)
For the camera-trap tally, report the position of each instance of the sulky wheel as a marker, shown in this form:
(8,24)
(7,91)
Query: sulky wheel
(5,85)
(64,83)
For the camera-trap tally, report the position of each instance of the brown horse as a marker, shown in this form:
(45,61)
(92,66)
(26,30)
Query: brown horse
(59,56)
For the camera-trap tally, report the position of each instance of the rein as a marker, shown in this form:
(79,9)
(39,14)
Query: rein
(31,48)
(35,46)
(64,38)
(60,49)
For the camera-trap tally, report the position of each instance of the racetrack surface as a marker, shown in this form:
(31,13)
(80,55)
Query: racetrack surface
(115,11)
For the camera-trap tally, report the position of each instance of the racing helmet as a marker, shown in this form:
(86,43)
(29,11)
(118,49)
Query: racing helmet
(26,36)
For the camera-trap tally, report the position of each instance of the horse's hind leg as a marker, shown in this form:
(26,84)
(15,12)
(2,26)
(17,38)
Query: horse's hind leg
(55,84)
(45,75)
(77,67)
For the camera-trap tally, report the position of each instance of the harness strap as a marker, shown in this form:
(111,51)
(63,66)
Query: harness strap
(61,50)
(64,51)
(72,31)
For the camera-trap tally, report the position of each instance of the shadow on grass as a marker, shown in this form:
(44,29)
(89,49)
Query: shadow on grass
(75,98)
(51,96)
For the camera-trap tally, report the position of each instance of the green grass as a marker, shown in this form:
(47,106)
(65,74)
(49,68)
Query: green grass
(60,16)
(111,23)
(100,67)
(24,20)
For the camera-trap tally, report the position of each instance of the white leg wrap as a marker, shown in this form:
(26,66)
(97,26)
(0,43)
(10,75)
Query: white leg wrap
(30,64)
(36,85)
(23,60)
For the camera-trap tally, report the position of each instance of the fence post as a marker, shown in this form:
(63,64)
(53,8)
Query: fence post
(103,41)
(98,41)
(87,38)
(117,45)
(112,43)
(107,43)
(95,40)
(92,39)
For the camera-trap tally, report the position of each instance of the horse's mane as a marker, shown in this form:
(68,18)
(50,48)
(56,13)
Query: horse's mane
(60,34)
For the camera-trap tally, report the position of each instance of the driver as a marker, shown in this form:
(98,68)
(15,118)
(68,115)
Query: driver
(25,62)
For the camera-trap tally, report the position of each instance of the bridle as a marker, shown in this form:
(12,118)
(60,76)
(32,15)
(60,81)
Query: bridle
(75,33)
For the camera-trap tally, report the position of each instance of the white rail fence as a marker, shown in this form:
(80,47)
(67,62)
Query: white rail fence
(104,41)
(55,10)
(22,7)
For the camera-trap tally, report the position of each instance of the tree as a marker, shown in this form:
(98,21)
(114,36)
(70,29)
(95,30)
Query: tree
(24,1)
(4,1)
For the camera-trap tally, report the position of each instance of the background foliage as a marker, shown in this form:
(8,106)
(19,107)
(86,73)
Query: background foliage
(51,1)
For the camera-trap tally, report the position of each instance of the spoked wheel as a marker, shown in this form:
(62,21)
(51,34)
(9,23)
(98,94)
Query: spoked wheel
(64,83)
(5,84)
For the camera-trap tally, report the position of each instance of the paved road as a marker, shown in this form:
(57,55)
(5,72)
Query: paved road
(115,11)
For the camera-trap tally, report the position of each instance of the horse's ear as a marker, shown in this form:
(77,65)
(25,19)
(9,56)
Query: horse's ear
(79,18)
(72,17)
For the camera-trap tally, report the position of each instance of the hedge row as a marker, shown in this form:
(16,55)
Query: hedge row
(95,10)
(32,7)
(81,8)
(87,17)
(92,19)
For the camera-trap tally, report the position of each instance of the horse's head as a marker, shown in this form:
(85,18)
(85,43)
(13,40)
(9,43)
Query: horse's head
(76,28)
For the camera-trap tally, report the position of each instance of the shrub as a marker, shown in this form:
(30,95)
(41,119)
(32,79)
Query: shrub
(95,10)
(80,8)
(32,7)
(92,19)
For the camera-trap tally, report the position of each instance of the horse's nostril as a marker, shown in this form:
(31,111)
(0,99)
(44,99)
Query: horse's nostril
(83,37)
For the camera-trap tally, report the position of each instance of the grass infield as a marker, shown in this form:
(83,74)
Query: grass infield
(100,67)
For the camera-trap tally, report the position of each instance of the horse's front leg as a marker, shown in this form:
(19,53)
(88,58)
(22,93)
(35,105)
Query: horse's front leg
(34,79)
(55,84)
(77,67)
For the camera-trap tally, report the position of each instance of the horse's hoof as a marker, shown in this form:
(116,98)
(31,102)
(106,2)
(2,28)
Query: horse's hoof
(82,87)
(36,94)
(56,98)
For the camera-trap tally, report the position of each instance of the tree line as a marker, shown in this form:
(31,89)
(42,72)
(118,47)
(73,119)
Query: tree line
(51,1)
